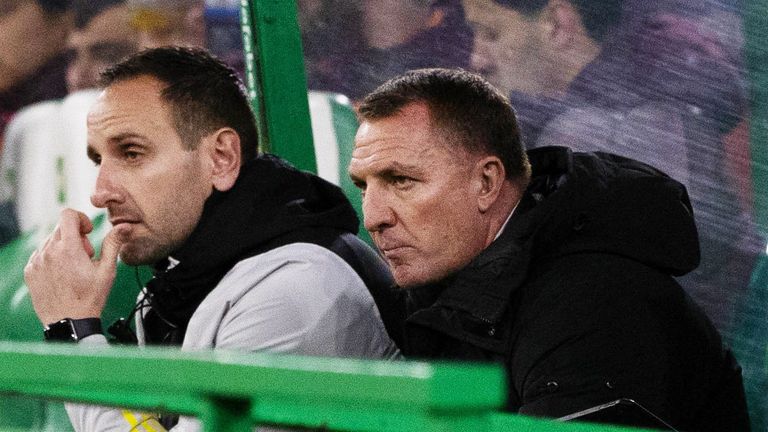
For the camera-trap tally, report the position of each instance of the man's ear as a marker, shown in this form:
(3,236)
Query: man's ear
(490,176)
(224,150)
(563,23)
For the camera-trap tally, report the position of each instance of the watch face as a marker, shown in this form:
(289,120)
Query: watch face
(60,331)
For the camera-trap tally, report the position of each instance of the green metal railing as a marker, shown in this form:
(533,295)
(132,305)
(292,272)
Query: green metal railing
(232,392)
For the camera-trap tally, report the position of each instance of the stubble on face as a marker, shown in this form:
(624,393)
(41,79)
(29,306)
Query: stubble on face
(418,201)
(149,181)
(171,224)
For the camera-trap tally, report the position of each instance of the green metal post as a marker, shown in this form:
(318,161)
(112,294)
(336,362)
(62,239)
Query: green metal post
(751,327)
(756,36)
(223,414)
(276,81)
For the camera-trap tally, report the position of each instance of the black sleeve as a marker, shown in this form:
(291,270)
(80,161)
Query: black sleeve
(594,336)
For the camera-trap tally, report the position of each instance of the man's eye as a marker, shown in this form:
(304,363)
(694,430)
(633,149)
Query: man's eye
(402,181)
(361,186)
(96,160)
(131,153)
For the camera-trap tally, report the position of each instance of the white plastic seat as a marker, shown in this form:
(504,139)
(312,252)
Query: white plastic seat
(44,161)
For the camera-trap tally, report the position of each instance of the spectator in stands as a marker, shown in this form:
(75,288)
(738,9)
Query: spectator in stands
(403,35)
(353,47)
(249,253)
(564,274)
(32,67)
(330,34)
(102,36)
(31,55)
(659,89)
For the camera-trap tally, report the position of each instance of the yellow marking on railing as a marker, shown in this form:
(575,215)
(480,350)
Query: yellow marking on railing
(151,424)
(130,418)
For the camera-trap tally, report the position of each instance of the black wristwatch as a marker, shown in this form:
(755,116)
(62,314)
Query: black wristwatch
(72,330)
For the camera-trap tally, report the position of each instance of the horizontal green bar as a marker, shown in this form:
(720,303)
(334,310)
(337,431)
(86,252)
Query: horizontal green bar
(123,397)
(229,390)
(101,374)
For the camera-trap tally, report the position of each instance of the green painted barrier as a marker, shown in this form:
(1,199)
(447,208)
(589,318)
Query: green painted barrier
(231,391)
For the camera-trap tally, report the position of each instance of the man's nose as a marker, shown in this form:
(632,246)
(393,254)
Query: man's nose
(377,212)
(76,72)
(480,60)
(107,189)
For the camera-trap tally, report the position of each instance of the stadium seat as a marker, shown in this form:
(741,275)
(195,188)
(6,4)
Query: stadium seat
(334,125)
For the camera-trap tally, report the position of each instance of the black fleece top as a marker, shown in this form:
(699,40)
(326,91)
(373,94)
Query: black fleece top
(271,204)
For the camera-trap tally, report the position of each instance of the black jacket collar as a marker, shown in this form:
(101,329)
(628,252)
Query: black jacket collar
(470,305)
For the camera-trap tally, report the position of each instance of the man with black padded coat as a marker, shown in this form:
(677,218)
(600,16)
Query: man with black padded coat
(557,265)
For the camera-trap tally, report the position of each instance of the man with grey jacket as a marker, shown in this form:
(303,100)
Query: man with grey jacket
(248,253)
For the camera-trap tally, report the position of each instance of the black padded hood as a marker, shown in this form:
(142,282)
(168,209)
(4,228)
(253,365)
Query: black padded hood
(598,202)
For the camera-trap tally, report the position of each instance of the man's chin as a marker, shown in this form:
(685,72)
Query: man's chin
(407,280)
(132,260)
(414,275)
(135,255)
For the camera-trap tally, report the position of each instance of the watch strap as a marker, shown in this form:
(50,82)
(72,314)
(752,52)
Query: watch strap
(72,330)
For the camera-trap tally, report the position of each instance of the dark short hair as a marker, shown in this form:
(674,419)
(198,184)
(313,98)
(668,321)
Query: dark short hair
(467,109)
(598,16)
(203,92)
(55,6)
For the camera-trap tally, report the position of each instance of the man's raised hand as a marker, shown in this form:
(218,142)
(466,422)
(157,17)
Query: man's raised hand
(64,279)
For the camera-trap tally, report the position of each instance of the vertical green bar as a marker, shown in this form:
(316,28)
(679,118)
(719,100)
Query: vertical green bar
(251,73)
(756,34)
(752,327)
(223,415)
(276,81)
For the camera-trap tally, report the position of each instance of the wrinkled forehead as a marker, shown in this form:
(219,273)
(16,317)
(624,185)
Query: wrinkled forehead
(130,106)
(406,140)
(140,94)
(413,120)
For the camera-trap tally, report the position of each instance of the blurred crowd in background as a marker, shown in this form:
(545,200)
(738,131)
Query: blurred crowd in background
(52,47)
(662,81)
